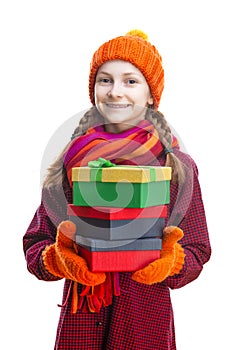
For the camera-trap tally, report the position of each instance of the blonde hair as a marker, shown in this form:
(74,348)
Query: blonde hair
(165,136)
(56,171)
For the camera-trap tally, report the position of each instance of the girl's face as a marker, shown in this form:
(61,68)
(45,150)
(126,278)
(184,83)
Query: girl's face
(121,95)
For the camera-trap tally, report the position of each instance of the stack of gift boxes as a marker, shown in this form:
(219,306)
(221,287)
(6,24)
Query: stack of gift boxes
(120,214)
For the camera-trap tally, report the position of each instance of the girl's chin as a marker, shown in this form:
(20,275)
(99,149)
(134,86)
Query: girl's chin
(116,119)
(117,127)
(117,114)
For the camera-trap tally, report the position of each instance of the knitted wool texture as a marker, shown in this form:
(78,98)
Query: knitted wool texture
(170,263)
(136,49)
(61,258)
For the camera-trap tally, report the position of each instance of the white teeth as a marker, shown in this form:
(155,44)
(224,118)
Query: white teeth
(117,105)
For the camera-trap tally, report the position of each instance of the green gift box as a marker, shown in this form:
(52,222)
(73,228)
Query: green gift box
(121,186)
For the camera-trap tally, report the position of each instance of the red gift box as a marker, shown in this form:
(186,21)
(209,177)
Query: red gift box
(118,260)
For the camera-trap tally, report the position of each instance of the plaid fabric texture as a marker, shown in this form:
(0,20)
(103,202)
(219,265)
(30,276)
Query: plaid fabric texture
(141,318)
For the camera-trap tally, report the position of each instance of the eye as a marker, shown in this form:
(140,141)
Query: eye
(105,80)
(131,81)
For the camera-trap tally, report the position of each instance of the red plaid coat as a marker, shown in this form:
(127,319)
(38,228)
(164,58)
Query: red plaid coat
(141,318)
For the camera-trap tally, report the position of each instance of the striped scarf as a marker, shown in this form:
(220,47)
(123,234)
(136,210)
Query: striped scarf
(139,145)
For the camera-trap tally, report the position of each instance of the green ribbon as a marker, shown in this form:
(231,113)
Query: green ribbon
(100,163)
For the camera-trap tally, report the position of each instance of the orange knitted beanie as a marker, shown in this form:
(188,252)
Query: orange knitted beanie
(135,48)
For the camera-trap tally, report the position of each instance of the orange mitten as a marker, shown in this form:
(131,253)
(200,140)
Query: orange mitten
(179,259)
(61,258)
(170,262)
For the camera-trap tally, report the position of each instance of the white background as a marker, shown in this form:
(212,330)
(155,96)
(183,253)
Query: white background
(46,47)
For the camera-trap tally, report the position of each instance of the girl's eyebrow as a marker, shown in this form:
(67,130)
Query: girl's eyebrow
(102,72)
(131,73)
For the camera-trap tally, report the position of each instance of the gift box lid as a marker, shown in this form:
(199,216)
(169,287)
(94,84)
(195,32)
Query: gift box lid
(111,213)
(119,245)
(129,173)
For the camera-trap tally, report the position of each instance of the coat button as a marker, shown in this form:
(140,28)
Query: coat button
(98,323)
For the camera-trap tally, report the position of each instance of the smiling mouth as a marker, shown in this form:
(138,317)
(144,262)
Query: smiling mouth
(117,105)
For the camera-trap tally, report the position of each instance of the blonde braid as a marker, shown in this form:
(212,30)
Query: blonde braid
(165,136)
(55,172)
(91,118)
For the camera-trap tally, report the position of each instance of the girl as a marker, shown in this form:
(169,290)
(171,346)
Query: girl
(120,310)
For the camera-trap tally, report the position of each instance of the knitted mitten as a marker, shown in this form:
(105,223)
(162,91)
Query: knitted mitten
(170,262)
(179,259)
(61,259)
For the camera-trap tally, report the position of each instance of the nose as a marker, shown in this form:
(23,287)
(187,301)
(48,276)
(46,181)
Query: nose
(116,90)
